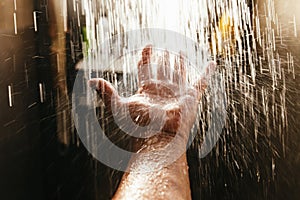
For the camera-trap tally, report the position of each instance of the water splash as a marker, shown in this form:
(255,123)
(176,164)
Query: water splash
(247,41)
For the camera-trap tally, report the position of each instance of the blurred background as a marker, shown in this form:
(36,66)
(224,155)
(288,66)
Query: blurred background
(41,156)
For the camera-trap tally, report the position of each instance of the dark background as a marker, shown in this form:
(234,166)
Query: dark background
(35,165)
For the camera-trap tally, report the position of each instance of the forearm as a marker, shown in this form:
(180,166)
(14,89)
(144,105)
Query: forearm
(169,182)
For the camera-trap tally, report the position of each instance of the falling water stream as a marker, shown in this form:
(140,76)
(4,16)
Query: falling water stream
(255,44)
(246,40)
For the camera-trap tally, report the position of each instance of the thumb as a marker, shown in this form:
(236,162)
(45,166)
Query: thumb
(202,83)
(105,91)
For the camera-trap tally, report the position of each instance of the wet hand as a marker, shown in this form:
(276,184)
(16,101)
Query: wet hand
(164,104)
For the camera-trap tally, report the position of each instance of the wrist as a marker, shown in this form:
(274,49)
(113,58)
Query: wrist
(159,141)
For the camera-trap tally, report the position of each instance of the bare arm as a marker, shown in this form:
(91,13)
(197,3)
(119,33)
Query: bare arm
(150,175)
(170,182)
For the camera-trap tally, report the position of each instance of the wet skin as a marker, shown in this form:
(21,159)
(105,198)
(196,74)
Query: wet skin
(175,103)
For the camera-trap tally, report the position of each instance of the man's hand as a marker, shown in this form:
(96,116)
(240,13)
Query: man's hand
(170,98)
(161,109)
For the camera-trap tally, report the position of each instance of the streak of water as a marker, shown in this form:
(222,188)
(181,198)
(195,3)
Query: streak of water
(244,38)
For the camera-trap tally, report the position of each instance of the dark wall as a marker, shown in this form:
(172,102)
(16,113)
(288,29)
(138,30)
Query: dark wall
(242,171)
(34,165)
(20,158)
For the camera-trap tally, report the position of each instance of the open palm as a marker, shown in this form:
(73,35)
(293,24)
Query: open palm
(166,104)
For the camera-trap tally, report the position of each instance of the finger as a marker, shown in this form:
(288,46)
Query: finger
(163,70)
(182,67)
(210,69)
(176,74)
(202,83)
(179,75)
(105,90)
(144,68)
(146,54)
